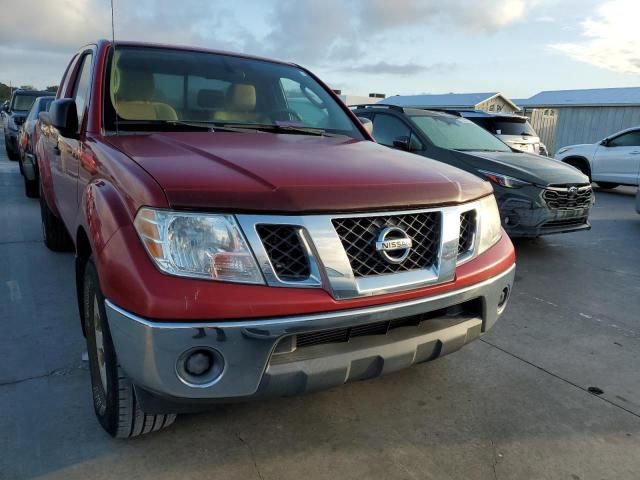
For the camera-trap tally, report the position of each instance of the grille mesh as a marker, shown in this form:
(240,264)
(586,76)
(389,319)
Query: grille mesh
(358,236)
(285,250)
(467,231)
(563,200)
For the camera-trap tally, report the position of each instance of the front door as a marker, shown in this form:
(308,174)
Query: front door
(618,161)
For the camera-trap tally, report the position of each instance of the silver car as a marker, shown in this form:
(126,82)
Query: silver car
(514,130)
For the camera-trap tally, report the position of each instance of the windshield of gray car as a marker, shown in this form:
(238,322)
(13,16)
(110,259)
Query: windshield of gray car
(455,133)
(22,102)
(154,88)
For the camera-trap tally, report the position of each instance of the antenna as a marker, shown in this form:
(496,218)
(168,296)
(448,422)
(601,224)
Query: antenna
(113,45)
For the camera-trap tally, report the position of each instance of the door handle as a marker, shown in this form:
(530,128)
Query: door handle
(56,150)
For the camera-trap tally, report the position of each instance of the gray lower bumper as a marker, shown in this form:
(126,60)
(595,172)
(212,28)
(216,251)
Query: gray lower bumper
(149,351)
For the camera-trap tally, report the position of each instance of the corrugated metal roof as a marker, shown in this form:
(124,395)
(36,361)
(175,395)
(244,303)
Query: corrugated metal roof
(585,98)
(445,100)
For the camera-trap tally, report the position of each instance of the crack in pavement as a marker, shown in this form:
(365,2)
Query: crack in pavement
(253,457)
(58,372)
(555,375)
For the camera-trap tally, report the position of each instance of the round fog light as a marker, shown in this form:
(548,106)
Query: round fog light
(200,367)
(198,363)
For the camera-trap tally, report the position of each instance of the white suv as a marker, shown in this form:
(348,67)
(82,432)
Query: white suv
(611,162)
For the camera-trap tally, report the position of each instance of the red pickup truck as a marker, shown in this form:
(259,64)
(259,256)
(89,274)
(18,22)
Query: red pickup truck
(237,234)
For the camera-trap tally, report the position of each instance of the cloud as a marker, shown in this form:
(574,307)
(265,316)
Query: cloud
(386,68)
(611,40)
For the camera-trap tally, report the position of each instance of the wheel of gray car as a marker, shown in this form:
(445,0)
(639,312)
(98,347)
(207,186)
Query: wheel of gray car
(30,187)
(54,233)
(114,398)
(607,185)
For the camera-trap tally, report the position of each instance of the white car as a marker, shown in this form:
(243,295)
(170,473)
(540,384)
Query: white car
(611,162)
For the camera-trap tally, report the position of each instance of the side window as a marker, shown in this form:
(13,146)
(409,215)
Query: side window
(305,104)
(631,139)
(387,128)
(82,88)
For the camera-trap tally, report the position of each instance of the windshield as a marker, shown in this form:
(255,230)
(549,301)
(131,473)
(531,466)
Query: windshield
(150,88)
(455,133)
(22,102)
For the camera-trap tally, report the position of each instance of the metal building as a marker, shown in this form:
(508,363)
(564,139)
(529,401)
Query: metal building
(569,117)
(489,102)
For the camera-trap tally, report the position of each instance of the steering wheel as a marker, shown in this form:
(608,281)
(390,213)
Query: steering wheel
(291,115)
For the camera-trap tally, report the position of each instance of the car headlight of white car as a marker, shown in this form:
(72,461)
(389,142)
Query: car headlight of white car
(197,245)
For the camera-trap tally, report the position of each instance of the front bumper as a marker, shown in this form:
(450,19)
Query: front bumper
(525,214)
(150,352)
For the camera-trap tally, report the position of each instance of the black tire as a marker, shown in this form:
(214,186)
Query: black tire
(607,185)
(30,188)
(13,156)
(580,164)
(54,233)
(116,408)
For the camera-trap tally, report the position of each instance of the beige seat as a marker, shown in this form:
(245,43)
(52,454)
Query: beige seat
(133,93)
(240,105)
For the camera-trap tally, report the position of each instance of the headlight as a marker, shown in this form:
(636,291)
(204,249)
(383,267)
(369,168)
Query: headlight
(197,245)
(504,180)
(490,226)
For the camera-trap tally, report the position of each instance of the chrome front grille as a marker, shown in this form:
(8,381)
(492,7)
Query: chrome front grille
(564,198)
(467,232)
(358,255)
(286,252)
(358,237)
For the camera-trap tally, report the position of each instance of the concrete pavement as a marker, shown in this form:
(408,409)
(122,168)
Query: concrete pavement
(514,405)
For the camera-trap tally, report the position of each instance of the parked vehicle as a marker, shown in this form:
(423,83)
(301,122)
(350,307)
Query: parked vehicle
(610,162)
(227,249)
(3,109)
(15,115)
(514,130)
(534,195)
(27,139)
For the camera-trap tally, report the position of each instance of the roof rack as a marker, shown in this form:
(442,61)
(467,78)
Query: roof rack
(378,105)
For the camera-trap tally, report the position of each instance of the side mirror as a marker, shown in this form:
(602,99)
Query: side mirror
(64,116)
(605,142)
(367,124)
(402,143)
(5,108)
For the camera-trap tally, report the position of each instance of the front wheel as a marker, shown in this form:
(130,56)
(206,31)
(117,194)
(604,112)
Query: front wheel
(114,399)
(607,185)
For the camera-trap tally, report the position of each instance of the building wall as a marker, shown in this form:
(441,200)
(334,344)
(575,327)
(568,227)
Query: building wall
(497,104)
(559,127)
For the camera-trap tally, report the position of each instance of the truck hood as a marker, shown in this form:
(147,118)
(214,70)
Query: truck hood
(293,173)
(535,169)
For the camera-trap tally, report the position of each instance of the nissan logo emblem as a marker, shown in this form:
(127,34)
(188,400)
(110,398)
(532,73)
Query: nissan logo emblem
(393,244)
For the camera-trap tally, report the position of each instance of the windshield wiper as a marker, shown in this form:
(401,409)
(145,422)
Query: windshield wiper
(204,125)
(268,127)
(477,150)
(525,134)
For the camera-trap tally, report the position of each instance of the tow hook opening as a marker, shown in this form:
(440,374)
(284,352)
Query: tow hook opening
(200,367)
(502,301)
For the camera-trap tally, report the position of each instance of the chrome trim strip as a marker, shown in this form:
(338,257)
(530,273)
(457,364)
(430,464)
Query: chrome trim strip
(286,322)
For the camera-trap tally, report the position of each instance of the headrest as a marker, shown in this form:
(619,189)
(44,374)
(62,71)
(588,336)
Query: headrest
(210,98)
(133,85)
(242,97)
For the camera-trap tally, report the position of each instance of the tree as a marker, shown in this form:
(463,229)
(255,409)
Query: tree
(27,87)
(52,88)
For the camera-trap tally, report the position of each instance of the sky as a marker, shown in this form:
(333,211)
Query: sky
(518,47)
